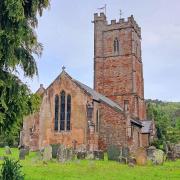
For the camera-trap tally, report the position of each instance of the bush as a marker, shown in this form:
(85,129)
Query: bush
(11,170)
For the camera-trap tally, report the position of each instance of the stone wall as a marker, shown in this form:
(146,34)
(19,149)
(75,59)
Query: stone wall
(112,128)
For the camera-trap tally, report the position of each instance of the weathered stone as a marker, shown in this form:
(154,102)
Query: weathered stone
(132,160)
(125,152)
(141,156)
(81,155)
(22,154)
(99,155)
(177,150)
(55,148)
(113,153)
(47,154)
(150,152)
(90,156)
(158,158)
(7,150)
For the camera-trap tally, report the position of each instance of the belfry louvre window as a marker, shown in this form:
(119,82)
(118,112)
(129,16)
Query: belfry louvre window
(56,119)
(116,45)
(68,115)
(62,111)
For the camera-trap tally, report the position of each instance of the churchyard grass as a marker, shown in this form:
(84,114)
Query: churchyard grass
(35,169)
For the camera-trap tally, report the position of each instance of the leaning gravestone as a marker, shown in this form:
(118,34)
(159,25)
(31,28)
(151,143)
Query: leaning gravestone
(141,157)
(7,150)
(113,152)
(158,158)
(47,154)
(22,154)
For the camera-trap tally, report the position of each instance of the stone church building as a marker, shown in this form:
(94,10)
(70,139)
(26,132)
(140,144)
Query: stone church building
(113,113)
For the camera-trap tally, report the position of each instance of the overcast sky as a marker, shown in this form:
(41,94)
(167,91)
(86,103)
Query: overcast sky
(66,32)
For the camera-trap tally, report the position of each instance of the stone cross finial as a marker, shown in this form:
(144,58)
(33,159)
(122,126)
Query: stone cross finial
(63,68)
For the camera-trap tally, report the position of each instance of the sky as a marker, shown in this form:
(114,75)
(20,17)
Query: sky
(66,32)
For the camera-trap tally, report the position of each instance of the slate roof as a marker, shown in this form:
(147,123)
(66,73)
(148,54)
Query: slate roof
(137,122)
(98,97)
(146,126)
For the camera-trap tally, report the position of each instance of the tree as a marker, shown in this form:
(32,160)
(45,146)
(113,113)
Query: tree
(167,120)
(18,45)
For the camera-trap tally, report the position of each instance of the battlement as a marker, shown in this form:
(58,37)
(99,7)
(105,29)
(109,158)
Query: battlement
(121,24)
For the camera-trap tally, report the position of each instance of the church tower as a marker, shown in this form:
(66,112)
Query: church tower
(118,68)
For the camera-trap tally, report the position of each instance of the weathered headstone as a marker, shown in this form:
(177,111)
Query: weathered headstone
(113,152)
(22,154)
(62,153)
(141,157)
(7,150)
(90,156)
(132,160)
(158,157)
(27,150)
(99,155)
(177,150)
(47,154)
(55,148)
(150,152)
(81,155)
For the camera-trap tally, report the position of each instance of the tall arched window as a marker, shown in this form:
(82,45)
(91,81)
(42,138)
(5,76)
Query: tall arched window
(56,113)
(68,115)
(62,111)
(116,45)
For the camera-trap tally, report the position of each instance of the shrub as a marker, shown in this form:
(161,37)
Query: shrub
(11,170)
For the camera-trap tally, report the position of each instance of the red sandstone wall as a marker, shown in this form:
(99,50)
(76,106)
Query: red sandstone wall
(112,128)
(119,76)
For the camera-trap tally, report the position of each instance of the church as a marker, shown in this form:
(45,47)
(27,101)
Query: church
(111,113)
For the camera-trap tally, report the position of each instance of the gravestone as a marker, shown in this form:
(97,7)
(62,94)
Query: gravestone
(81,155)
(69,154)
(54,150)
(47,154)
(158,158)
(113,152)
(132,160)
(124,155)
(99,155)
(62,153)
(150,152)
(22,154)
(141,157)
(7,150)
(177,150)
(90,156)
(27,150)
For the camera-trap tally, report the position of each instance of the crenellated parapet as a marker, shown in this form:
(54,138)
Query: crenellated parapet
(121,24)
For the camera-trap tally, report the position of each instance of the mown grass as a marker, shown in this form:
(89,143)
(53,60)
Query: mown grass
(93,170)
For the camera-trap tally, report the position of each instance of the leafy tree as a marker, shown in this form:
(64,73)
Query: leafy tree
(167,120)
(18,45)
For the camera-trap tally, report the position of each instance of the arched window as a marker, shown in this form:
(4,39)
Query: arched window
(62,111)
(68,115)
(56,113)
(116,45)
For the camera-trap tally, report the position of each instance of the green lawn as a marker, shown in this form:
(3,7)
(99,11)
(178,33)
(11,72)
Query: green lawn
(93,170)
